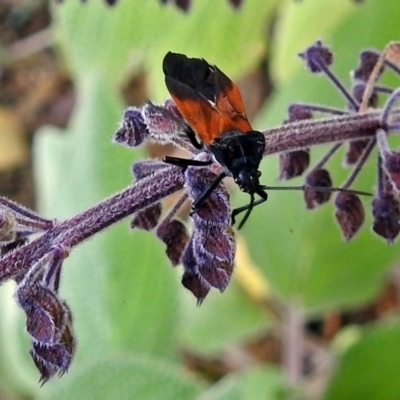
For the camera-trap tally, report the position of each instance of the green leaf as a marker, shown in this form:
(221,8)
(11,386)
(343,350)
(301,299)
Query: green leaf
(301,253)
(125,377)
(265,383)
(221,320)
(369,369)
(98,39)
(227,388)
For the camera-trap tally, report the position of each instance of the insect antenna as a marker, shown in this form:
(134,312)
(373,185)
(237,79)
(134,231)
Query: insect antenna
(326,189)
(264,196)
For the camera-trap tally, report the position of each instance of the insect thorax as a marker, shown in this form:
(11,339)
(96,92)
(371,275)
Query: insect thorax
(236,151)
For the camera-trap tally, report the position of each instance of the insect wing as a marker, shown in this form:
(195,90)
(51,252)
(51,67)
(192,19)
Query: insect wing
(229,104)
(196,110)
(208,100)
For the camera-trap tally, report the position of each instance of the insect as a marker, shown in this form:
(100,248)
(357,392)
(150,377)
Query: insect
(213,110)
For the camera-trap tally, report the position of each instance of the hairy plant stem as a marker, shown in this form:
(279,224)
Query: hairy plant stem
(308,133)
(74,231)
(162,183)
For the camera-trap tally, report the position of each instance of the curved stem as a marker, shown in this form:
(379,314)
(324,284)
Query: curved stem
(73,231)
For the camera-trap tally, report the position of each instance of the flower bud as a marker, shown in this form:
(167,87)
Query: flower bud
(293,163)
(391,163)
(317,57)
(55,358)
(354,151)
(191,280)
(317,178)
(298,112)
(386,213)
(358,90)
(175,236)
(349,213)
(214,251)
(367,62)
(133,129)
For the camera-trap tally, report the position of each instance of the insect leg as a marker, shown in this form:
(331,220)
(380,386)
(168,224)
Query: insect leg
(200,200)
(248,207)
(192,137)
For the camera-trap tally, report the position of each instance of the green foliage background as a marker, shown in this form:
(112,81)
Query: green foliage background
(131,314)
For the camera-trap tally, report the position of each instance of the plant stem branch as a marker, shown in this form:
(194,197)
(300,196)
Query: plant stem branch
(74,231)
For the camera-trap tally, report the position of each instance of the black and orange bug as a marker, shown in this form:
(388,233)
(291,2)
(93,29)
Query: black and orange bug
(213,110)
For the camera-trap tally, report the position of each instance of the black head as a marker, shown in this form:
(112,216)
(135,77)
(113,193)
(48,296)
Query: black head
(240,154)
(247,179)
